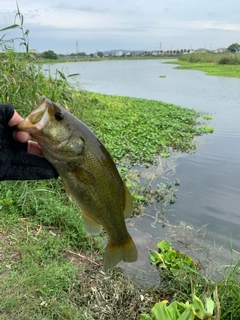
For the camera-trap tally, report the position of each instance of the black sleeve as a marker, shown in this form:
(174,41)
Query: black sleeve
(15,162)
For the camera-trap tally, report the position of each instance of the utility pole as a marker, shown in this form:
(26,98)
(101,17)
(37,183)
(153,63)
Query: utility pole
(77,50)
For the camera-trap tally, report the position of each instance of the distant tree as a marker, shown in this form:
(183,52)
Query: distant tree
(91,55)
(100,54)
(82,54)
(49,55)
(235,47)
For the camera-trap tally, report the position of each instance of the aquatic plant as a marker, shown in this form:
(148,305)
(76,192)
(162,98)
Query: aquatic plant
(147,127)
(168,258)
(173,264)
(185,311)
(207,117)
(206,129)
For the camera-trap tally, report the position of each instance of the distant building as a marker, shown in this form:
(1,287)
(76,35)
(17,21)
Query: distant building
(220,50)
(119,53)
(201,50)
(156,53)
(107,54)
(33,50)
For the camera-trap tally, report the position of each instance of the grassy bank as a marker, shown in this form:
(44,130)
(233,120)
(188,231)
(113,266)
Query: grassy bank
(222,64)
(208,57)
(91,59)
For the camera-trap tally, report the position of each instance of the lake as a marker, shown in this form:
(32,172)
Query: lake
(209,191)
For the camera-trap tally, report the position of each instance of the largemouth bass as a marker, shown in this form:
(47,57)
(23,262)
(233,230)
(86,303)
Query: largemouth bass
(89,175)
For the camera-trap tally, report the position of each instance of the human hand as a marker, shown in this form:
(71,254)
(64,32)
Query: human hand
(22,136)
(20,159)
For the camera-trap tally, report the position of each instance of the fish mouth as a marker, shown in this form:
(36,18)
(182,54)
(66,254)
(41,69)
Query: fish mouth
(36,120)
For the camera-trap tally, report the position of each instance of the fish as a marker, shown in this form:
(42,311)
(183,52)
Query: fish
(89,176)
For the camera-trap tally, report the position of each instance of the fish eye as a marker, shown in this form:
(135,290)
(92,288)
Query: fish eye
(58,116)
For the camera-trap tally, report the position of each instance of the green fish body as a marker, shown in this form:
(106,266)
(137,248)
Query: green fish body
(89,176)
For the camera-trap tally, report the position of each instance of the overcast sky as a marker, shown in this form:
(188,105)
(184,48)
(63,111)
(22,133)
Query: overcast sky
(99,25)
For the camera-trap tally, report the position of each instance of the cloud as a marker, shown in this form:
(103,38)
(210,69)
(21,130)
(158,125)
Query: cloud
(97,7)
(120,23)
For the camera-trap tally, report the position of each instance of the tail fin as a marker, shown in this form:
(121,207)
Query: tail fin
(114,253)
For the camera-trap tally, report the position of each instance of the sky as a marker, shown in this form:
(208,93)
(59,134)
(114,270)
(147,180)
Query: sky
(72,26)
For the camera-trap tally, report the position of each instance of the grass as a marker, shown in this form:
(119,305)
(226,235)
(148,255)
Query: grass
(39,284)
(222,64)
(41,281)
(229,292)
(210,57)
(91,59)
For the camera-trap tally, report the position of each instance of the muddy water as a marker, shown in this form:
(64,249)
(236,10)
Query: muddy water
(209,191)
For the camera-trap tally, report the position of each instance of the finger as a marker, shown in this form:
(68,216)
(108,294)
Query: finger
(16,118)
(21,136)
(34,148)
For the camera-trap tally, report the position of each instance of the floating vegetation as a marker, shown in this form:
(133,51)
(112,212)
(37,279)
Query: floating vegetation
(136,130)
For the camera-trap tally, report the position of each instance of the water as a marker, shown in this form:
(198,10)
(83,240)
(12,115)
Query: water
(209,193)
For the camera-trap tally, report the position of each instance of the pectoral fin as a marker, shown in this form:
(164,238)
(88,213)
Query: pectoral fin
(91,226)
(128,203)
(67,190)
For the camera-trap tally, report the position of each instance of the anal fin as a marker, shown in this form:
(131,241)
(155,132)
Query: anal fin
(91,226)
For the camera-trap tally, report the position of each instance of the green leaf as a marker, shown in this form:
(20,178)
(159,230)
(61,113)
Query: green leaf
(186,315)
(61,74)
(160,311)
(173,310)
(198,307)
(209,304)
(156,257)
(73,75)
(10,27)
(164,245)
